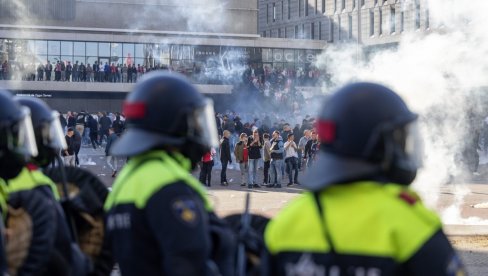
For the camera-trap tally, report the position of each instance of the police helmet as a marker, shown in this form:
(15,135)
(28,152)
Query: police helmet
(366,132)
(166,111)
(47,129)
(17,142)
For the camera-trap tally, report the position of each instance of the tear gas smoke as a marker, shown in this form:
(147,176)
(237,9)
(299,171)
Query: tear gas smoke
(439,73)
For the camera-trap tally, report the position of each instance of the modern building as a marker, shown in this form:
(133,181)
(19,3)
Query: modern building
(367,22)
(212,42)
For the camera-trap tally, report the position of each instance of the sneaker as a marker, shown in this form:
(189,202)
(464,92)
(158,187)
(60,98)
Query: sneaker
(243,184)
(277,186)
(114,174)
(289,184)
(224,183)
(249,186)
(269,186)
(256,186)
(297,183)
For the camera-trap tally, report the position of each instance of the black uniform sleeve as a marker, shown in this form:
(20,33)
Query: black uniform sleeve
(179,222)
(435,257)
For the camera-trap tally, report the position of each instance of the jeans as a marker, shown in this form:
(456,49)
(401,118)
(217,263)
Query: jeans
(206,173)
(253,171)
(266,172)
(292,164)
(244,170)
(299,161)
(223,173)
(276,166)
(109,162)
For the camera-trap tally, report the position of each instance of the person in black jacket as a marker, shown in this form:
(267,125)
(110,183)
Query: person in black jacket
(76,146)
(93,126)
(225,157)
(118,125)
(105,124)
(254,145)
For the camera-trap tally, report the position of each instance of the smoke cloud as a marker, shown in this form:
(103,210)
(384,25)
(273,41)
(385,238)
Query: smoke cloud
(439,73)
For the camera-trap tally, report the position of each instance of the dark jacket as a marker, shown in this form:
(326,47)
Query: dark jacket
(118,126)
(105,123)
(71,121)
(225,151)
(71,147)
(254,149)
(93,125)
(76,142)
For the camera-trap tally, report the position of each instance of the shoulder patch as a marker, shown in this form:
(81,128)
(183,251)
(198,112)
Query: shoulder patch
(185,210)
(409,198)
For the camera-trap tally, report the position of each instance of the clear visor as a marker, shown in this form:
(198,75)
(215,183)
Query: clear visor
(204,126)
(25,142)
(55,136)
(414,148)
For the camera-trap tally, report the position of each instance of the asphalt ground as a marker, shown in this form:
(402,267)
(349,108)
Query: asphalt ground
(468,232)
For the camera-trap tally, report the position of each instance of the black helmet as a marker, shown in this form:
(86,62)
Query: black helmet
(165,110)
(17,142)
(47,130)
(366,132)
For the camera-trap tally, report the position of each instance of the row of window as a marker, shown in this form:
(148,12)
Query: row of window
(304,8)
(315,30)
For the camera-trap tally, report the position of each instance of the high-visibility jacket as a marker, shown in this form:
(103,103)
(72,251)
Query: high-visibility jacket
(157,219)
(362,228)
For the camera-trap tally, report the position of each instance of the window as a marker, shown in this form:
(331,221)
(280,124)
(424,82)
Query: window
(79,48)
(300,8)
(339,27)
(282,10)
(54,48)
(302,35)
(335,5)
(350,25)
(306,8)
(417,14)
(104,49)
(362,3)
(263,34)
(128,50)
(380,22)
(312,30)
(316,6)
(427,19)
(296,32)
(116,51)
(41,47)
(375,3)
(353,4)
(66,48)
(274,12)
(331,30)
(371,23)
(289,9)
(267,14)
(343,5)
(139,51)
(320,30)
(402,21)
(323,6)
(279,32)
(392,21)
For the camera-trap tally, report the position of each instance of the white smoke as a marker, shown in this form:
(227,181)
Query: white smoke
(438,72)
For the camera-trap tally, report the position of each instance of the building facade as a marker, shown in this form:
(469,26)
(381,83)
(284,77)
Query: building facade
(213,42)
(368,22)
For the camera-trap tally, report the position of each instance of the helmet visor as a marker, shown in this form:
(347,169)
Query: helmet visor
(55,138)
(203,125)
(23,139)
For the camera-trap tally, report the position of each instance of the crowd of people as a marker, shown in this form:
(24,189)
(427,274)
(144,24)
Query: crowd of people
(83,128)
(258,144)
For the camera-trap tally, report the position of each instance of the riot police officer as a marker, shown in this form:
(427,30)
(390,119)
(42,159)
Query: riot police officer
(159,217)
(16,144)
(359,216)
(53,250)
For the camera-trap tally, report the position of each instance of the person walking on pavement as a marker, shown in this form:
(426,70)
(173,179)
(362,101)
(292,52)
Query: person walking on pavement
(291,159)
(159,219)
(359,215)
(206,168)
(277,152)
(254,145)
(225,157)
(242,155)
(266,158)
(112,137)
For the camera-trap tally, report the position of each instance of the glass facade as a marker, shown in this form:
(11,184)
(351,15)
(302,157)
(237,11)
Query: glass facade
(202,63)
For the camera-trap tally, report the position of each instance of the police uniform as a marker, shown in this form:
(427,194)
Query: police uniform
(159,220)
(361,228)
(160,212)
(359,216)
(50,252)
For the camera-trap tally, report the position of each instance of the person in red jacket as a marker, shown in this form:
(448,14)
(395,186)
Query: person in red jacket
(206,167)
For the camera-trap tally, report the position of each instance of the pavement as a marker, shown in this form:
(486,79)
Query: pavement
(463,206)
